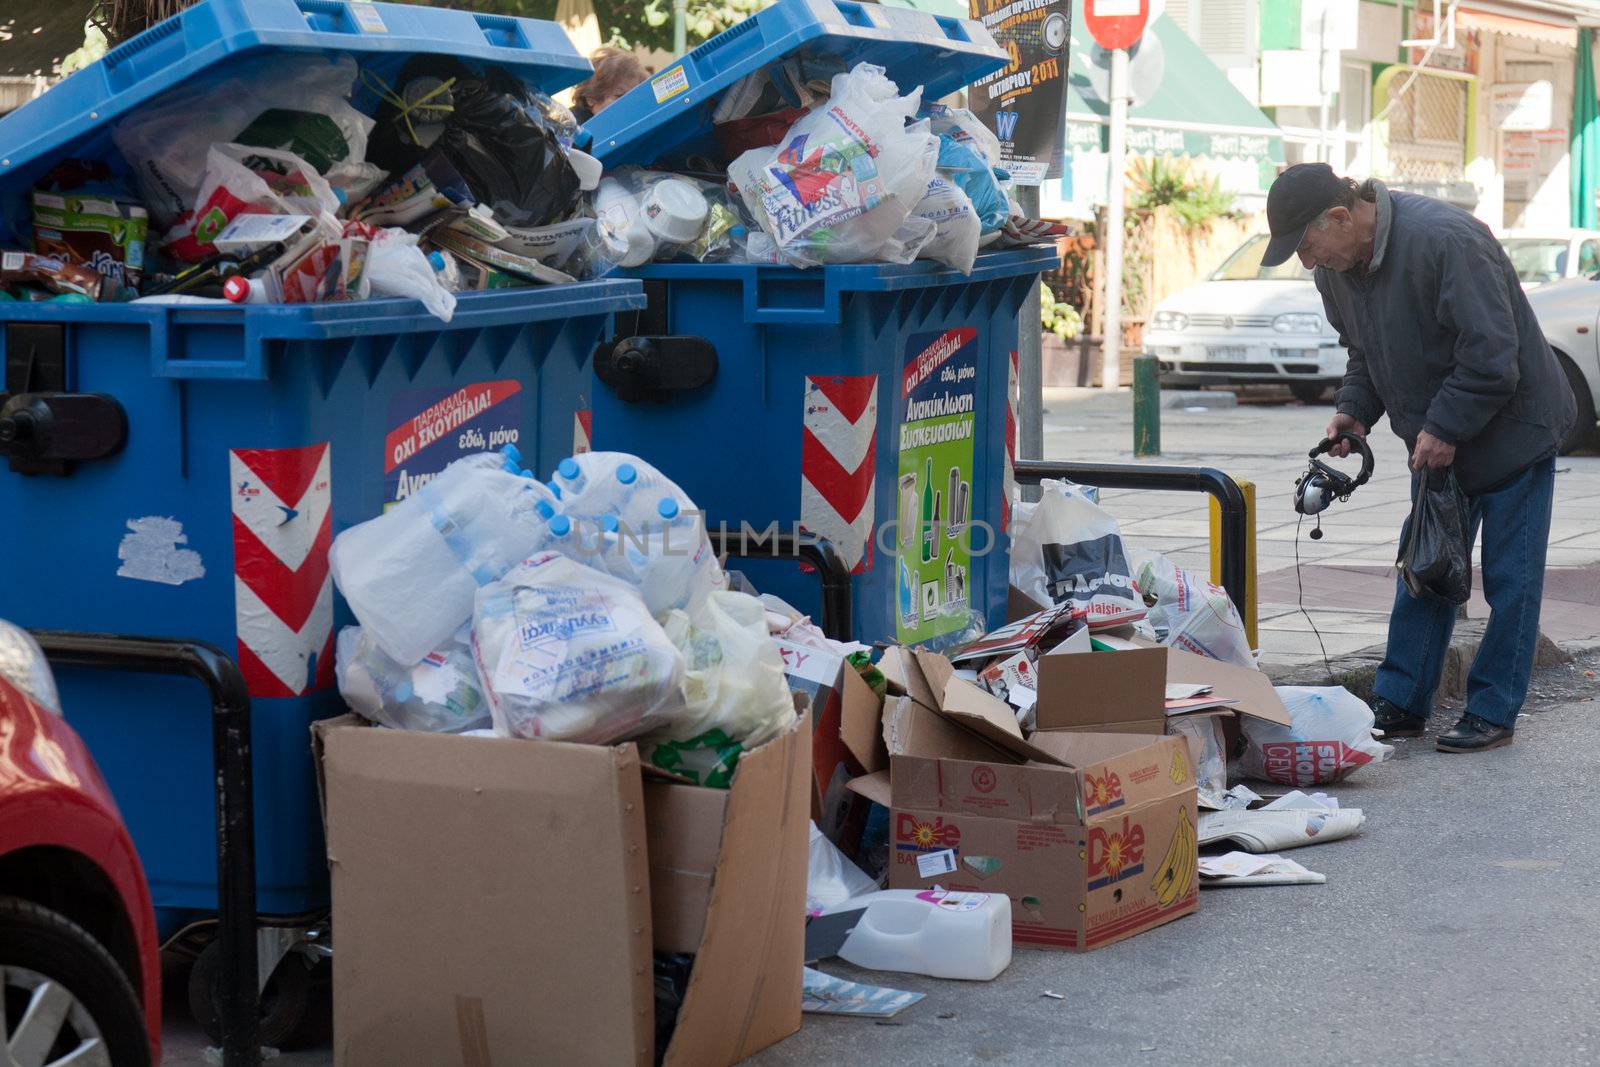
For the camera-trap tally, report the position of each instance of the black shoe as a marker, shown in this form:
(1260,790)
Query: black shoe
(1473,734)
(1395,721)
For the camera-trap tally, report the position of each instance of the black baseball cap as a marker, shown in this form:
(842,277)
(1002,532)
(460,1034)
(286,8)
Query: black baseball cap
(1299,196)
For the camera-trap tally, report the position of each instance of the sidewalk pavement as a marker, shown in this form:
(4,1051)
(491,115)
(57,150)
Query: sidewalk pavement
(1347,576)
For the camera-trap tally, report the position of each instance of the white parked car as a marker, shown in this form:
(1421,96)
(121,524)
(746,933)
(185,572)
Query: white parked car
(1543,256)
(1569,312)
(1248,325)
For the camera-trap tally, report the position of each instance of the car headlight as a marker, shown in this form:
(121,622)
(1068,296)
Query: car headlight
(22,663)
(1298,322)
(1169,320)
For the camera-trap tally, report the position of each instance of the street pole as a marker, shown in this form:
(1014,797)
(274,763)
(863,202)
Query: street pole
(680,27)
(1111,362)
(1030,369)
(1323,152)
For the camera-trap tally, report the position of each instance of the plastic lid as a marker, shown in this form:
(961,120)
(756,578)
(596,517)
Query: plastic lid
(568,469)
(675,210)
(525,473)
(554,488)
(513,453)
(667,114)
(237,288)
(545,509)
(561,526)
(436,260)
(668,508)
(403,692)
(609,523)
(627,473)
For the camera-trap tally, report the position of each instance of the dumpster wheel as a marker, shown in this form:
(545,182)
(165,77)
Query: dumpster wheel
(292,1014)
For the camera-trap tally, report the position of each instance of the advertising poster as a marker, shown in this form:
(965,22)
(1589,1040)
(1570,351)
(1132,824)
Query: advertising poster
(933,543)
(1024,102)
(429,429)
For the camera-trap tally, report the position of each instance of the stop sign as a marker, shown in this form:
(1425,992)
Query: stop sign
(1116,23)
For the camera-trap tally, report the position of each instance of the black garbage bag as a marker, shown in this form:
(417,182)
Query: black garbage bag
(1435,554)
(499,135)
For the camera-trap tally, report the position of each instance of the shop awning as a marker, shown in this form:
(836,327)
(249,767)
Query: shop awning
(1194,110)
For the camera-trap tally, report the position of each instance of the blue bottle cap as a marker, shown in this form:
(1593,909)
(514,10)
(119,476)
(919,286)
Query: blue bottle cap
(561,526)
(609,523)
(403,692)
(668,508)
(568,469)
(513,453)
(627,474)
(545,509)
(554,488)
(525,473)
(436,261)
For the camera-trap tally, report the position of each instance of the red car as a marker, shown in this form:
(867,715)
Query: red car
(79,958)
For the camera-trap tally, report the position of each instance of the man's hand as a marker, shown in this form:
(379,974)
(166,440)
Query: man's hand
(1343,423)
(1431,453)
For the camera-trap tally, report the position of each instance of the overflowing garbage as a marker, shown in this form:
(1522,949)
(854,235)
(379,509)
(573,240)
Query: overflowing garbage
(310,178)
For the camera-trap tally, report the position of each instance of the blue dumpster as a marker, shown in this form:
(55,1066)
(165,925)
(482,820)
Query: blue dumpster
(866,403)
(253,436)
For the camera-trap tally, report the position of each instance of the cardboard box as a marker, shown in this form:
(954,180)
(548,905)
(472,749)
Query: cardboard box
(497,900)
(1091,835)
(1089,854)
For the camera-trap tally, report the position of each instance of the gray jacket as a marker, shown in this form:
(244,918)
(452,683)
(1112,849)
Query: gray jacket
(1441,337)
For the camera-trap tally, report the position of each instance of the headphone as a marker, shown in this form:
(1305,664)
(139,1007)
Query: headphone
(1321,484)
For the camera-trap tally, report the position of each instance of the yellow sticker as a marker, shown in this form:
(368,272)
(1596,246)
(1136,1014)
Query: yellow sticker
(670,84)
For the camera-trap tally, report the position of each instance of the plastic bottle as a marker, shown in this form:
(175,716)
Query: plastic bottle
(677,568)
(932,932)
(410,574)
(441,694)
(242,290)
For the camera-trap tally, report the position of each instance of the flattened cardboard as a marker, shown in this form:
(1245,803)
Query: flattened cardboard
(875,787)
(1252,689)
(683,825)
(860,722)
(983,713)
(1100,689)
(445,839)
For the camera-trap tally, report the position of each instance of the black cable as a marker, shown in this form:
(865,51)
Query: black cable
(1300,585)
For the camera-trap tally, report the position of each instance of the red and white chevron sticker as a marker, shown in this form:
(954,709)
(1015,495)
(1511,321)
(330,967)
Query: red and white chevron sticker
(283,590)
(838,463)
(582,431)
(1008,482)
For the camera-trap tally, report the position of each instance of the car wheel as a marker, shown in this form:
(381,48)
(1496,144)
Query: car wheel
(284,1001)
(1583,432)
(65,999)
(1308,392)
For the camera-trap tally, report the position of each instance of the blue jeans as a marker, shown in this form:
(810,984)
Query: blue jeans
(1515,520)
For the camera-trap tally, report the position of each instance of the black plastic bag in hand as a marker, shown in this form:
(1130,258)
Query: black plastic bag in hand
(1435,555)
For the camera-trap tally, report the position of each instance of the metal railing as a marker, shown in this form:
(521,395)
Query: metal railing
(831,568)
(238,1012)
(1230,500)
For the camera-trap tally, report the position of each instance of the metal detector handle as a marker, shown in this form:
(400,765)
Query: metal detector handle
(1358,444)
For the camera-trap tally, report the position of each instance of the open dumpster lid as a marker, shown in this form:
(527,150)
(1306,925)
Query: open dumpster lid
(673,108)
(75,117)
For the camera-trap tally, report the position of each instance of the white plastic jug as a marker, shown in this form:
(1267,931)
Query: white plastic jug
(931,931)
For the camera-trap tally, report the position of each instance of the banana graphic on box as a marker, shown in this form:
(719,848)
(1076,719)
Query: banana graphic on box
(1179,867)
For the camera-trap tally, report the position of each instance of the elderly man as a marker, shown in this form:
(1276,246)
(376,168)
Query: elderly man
(1441,338)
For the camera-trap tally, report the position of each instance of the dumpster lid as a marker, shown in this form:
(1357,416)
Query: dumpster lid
(672,110)
(74,118)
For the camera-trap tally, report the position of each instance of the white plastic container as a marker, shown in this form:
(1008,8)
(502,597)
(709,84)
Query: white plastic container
(675,211)
(932,932)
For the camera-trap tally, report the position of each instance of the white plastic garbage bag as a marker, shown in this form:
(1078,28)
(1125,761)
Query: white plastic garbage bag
(831,879)
(1190,612)
(1330,736)
(569,653)
(845,177)
(1070,550)
(440,694)
(1207,747)
(396,266)
(734,676)
(956,225)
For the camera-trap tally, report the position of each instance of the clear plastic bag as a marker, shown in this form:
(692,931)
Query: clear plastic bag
(734,675)
(1208,750)
(1330,736)
(167,141)
(241,180)
(831,879)
(441,694)
(1070,550)
(397,266)
(956,226)
(846,176)
(569,653)
(1190,612)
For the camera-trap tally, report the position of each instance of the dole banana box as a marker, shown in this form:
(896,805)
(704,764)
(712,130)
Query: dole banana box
(1090,851)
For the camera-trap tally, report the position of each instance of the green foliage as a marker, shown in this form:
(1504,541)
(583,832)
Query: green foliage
(649,25)
(1057,317)
(1167,182)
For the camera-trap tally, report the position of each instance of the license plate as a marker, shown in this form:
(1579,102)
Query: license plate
(1228,353)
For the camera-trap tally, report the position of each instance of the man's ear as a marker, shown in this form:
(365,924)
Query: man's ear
(1340,215)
